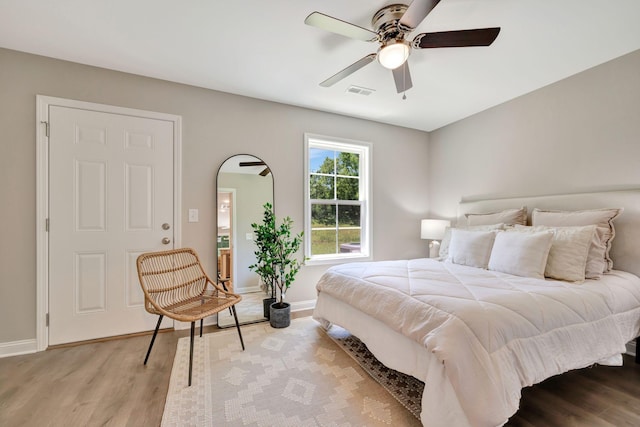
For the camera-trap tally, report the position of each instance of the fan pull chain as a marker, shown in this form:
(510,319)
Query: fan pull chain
(404,81)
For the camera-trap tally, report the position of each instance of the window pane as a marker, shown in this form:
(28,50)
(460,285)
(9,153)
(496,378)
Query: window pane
(323,242)
(348,164)
(321,187)
(349,229)
(348,188)
(349,241)
(349,216)
(321,161)
(323,216)
(336,226)
(323,229)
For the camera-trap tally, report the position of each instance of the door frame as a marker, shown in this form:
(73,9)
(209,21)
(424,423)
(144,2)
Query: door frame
(42,192)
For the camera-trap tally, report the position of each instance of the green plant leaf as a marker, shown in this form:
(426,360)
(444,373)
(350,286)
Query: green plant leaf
(276,250)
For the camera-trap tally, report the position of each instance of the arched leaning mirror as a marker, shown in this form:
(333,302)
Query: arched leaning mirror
(244,184)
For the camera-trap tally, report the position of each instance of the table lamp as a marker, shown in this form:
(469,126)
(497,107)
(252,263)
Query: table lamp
(433,229)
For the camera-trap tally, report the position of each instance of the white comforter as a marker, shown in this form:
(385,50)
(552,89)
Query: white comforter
(494,333)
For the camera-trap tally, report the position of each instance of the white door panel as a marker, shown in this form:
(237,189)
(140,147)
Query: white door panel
(111,191)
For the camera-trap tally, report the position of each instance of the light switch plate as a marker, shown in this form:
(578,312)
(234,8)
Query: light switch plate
(193,215)
(249,236)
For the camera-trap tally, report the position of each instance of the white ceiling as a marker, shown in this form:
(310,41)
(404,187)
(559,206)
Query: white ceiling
(262,49)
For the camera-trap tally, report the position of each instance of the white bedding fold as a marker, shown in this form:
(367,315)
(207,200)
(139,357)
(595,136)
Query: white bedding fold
(494,333)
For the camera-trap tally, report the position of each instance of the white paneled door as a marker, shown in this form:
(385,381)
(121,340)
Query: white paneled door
(110,199)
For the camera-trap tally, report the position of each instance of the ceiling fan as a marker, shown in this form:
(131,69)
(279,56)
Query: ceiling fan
(391,26)
(264,172)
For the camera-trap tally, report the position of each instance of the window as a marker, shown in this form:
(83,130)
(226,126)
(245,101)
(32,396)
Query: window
(337,199)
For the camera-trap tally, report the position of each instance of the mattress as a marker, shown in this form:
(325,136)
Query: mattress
(483,335)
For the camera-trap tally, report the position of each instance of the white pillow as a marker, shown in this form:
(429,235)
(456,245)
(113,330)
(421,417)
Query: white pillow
(521,254)
(507,217)
(598,260)
(471,248)
(569,250)
(446,239)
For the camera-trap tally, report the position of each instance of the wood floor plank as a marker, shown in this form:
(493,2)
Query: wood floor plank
(584,397)
(106,384)
(586,392)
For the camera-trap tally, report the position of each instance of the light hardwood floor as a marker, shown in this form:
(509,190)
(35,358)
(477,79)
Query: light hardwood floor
(105,384)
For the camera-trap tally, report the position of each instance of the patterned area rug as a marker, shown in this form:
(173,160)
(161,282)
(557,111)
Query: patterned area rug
(298,376)
(404,388)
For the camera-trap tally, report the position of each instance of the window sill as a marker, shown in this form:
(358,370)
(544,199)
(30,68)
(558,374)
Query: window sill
(339,259)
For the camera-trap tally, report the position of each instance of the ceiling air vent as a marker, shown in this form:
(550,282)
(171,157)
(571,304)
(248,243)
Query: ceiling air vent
(360,90)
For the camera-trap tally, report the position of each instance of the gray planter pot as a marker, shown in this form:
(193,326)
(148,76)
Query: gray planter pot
(280,317)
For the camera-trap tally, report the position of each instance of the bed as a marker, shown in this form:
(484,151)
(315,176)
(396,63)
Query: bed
(477,336)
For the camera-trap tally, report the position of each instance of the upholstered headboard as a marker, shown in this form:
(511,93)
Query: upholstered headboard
(625,249)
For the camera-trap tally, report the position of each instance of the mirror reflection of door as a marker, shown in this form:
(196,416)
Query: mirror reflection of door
(226,235)
(243,185)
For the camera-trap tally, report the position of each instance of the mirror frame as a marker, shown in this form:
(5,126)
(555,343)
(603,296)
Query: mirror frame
(217,186)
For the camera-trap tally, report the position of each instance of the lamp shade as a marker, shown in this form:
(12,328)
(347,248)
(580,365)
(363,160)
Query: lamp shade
(433,229)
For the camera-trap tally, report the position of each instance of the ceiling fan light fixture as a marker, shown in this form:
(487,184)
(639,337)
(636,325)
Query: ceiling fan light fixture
(393,54)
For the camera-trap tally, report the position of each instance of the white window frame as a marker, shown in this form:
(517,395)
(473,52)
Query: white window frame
(363,149)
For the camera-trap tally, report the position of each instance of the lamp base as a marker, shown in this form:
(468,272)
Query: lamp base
(434,249)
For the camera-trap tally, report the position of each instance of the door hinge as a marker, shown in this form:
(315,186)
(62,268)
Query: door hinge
(46,128)
(47,319)
(46,225)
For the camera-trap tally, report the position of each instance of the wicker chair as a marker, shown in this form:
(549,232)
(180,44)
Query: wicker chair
(175,285)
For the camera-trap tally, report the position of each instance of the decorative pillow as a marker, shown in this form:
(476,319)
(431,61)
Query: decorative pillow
(446,239)
(598,260)
(521,254)
(471,248)
(569,250)
(507,217)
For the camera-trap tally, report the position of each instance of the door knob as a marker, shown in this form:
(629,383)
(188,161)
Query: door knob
(166,226)
(166,241)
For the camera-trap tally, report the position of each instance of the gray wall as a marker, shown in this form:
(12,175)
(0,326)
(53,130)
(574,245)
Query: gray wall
(579,134)
(216,125)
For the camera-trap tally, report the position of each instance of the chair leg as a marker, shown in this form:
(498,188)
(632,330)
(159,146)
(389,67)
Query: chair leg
(193,327)
(235,316)
(153,338)
(201,322)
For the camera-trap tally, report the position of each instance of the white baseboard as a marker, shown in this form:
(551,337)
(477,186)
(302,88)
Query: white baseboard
(248,290)
(303,305)
(16,348)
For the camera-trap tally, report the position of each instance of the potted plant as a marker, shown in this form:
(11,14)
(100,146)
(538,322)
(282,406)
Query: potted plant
(276,262)
(264,266)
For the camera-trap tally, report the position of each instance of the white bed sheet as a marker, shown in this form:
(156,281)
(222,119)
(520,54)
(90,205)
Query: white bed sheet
(402,339)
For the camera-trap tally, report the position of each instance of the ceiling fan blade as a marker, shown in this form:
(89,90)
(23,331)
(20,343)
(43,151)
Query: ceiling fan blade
(402,77)
(415,14)
(460,38)
(338,26)
(265,172)
(349,70)
(251,164)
